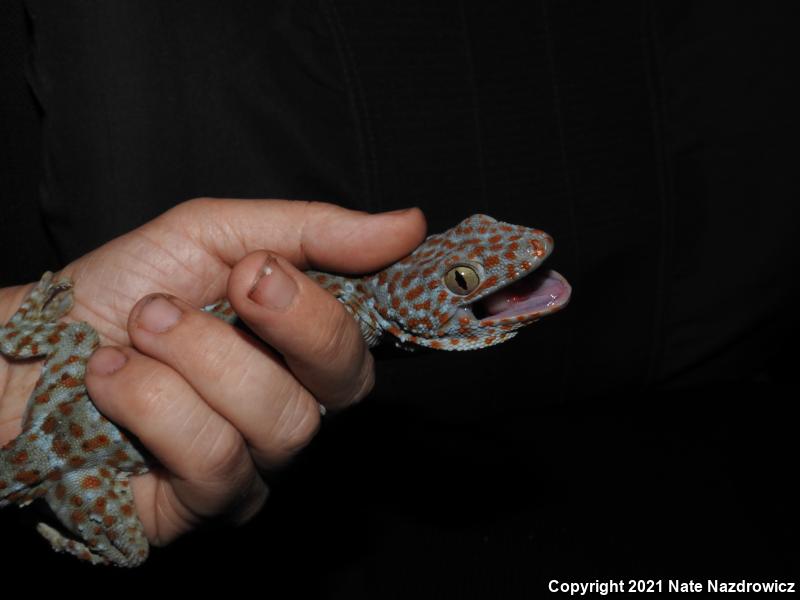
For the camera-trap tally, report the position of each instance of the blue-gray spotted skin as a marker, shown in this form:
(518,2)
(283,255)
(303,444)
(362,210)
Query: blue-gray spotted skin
(470,287)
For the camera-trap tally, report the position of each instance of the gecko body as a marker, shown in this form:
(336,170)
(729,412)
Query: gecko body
(470,287)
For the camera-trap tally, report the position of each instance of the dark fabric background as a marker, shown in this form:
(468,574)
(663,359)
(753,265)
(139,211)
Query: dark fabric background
(646,431)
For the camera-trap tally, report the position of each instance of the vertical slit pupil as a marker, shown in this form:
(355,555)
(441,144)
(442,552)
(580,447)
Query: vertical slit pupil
(461,281)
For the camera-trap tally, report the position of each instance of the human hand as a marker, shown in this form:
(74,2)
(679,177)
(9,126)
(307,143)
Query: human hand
(214,406)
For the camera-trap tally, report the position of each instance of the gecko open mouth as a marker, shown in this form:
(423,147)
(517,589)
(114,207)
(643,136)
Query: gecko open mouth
(535,295)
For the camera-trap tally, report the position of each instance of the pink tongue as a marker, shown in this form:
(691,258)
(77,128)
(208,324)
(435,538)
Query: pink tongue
(530,294)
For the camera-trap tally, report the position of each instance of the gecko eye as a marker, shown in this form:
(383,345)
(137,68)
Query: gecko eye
(461,280)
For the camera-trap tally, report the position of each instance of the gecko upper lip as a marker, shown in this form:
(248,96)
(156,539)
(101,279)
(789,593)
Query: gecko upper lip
(537,294)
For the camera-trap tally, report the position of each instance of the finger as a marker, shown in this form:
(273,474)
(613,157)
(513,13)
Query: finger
(326,236)
(238,377)
(318,338)
(206,455)
(189,250)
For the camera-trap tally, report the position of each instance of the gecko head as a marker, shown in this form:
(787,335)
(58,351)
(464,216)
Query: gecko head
(471,286)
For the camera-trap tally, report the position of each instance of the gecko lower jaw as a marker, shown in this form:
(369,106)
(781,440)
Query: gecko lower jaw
(537,294)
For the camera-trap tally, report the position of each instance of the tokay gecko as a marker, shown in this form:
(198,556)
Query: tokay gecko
(470,287)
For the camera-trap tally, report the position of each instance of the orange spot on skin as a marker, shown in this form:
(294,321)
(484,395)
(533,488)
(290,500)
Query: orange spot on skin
(3,484)
(68,381)
(54,475)
(126,509)
(19,458)
(27,477)
(42,398)
(100,505)
(436,345)
(78,516)
(538,249)
(408,280)
(455,341)
(491,261)
(526,265)
(108,520)
(76,430)
(76,501)
(415,293)
(433,284)
(65,409)
(489,341)
(395,303)
(60,447)
(61,491)
(442,296)
(90,482)
(79,337)
(426,305)
(98,441)
(76,461)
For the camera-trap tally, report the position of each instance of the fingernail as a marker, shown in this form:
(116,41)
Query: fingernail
(273,288)
(105,361)
(158,315)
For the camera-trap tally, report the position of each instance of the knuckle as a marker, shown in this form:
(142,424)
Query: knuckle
(222,457)
(295,426)
(335,335)
(149,396)
(367,378)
